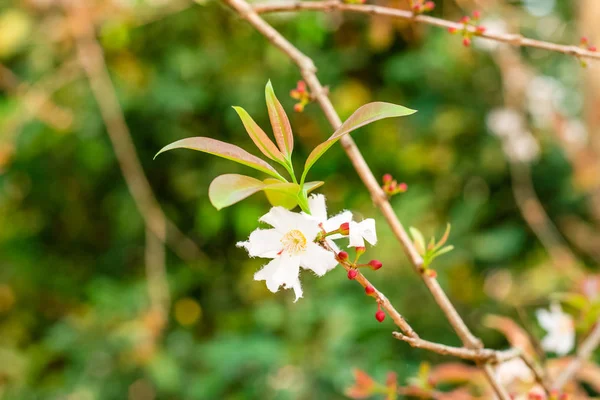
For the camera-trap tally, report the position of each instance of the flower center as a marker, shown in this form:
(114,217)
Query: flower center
(293,242)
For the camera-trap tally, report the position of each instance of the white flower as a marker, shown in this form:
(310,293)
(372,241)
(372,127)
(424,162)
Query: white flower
(361,231)
(291,246)
(318,210)
(561,330)
(513,370)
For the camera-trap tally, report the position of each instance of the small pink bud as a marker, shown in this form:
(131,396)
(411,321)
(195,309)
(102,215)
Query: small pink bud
(429,5)
(387,178)
(416,8)
(466,42)
(352,274)
(592,48)
(584,40)
(480,29)
(380,316)
(375,264)
(360,250)
(465,20)
(402,187)
(476,14)
(301,86)
(452,30)
(431,273)
(369,290)
(298,107)
(345,228)
(342,255)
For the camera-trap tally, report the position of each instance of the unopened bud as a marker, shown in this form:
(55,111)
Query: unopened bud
(387,178)
(352,274)
(342,256)
(592,48)
(466,42)
(402,187)
(465,20)
(380,316)
(345,228)
(375,264)
(431,273)
(452,30)
(480,30)
(369,290)
(476,14)
(429,5)
(584,40)
(360,250)
(298,107)
(301,87)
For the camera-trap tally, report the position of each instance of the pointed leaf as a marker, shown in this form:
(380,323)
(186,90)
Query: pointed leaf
(364,115)
(419,240)
(280,122)
(228,189)
(259,137)
(310,186)
(222,149)
(281,194)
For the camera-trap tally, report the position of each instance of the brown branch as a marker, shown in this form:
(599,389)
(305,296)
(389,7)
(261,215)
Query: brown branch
(485,355)
(91,58)
(156,275)
(538,374)
(584,352)
(335,5)
(308,71)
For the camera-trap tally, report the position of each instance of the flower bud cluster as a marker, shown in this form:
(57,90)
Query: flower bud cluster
(421,6)
(391,186)
(301,94)
(584,43)
(469,28)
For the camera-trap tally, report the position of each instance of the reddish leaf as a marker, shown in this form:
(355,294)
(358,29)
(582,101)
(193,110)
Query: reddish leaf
(228,189)
(280,122)
(259,137)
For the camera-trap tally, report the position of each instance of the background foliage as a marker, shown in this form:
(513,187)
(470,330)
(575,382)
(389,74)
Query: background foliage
(74,320)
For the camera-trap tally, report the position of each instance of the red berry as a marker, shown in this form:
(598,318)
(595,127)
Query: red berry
(476,14)
(387,178)
(375,264)
(352,274)
(380,316)
(466,42)
(369,290)
(342,255)
(345,228)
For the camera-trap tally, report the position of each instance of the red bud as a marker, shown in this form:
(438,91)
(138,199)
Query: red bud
(360,250)
(465,20)
(380,316)
(375,264)
(387,178)
(592,48)
(298,107)
(369,290)
(584,40)
(466,42)
(301,86)
(480,29)
(452,30)
(345,228)
(342,255)
(476,14)
(429,5)
(402,187)
(352,274)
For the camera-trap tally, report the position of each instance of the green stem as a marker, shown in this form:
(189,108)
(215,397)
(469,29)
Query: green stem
(290,169)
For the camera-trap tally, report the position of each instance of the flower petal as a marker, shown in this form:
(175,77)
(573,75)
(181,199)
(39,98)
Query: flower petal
(265,243)
(317,259)
(367,228)
(283,270)
(284,221)
(355,235)
(545,319)
(317,207)
(334,223)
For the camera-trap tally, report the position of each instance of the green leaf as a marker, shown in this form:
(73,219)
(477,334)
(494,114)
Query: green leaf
(364,115)
(310,186)
(280,122)
(228,189)
(281,194)
(259,137)
(418,239)
(225,150)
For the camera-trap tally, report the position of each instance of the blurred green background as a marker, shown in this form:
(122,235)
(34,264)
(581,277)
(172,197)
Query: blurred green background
(75,314)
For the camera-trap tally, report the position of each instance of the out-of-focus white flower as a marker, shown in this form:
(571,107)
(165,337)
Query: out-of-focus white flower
(318,210)
(361,231)
(575,133)
(514,370)
(561,330)
(518,143)
(544,96)
(291,245)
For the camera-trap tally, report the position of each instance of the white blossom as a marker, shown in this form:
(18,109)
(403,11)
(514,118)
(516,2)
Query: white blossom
(560,328)
(514,370)
(318,210)
(361,231)
(291,245)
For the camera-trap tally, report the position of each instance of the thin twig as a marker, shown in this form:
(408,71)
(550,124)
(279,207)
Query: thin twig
(308,71)
(489,355)
(335,5)
(538,374)
(584,352)
(91,58)
(156,275)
